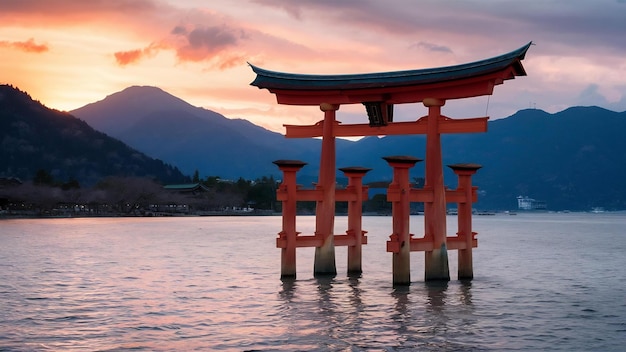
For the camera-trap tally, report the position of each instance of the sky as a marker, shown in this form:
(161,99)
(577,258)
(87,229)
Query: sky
(69,53)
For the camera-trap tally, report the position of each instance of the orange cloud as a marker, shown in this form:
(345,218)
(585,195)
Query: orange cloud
(28,46)
(124,58)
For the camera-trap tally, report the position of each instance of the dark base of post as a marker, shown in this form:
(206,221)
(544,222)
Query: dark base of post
(354,260)
(324,264)
(288,277)
(355,271)
(436,264)
(466,270)
(402,268)
(288,263)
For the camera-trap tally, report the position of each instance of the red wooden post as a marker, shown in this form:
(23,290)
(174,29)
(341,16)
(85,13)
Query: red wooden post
(464,173)
(324,263)
(287,194)
(400,240)
(355,212)
(436,261)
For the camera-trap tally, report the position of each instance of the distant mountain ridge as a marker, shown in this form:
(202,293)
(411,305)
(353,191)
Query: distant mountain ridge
(122,110)
(193,138)
(34,137)
(574,159)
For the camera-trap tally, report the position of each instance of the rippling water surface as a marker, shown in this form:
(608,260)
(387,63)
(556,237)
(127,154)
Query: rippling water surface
(542,282)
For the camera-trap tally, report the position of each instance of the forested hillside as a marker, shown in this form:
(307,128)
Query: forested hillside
(34,137)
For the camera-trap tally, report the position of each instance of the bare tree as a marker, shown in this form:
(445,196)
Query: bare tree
(130,194)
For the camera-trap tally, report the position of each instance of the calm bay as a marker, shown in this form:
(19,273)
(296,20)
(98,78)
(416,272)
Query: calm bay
(543,281)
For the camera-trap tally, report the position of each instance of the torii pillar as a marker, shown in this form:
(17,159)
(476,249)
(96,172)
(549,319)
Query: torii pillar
(464,173)
(355,213)
(324,263)
(436,261)
(287,191)
(400,240)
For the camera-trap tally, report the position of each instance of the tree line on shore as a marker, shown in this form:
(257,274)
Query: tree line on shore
(44,195)
(140,196)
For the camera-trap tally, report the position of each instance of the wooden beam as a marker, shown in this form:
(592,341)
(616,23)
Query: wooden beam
(346,195)
(318,241)
(458,196)
(446,125)
(426,244)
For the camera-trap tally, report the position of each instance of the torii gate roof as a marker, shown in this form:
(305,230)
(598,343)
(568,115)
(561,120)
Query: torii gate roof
(411,86)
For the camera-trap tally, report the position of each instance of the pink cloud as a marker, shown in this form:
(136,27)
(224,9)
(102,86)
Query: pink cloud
(216,45)
(231,61)
(432,47)
(206,42)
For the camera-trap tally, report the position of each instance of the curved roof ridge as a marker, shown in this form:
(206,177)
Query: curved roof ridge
(295,81)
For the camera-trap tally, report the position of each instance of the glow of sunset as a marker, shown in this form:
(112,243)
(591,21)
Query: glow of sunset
(69,53)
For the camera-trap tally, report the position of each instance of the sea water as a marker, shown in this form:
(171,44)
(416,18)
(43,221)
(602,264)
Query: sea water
(542,282)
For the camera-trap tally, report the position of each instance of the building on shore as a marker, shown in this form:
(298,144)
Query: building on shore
(526,203)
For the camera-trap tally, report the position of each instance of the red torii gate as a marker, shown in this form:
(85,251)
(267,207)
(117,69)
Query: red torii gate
(378,92)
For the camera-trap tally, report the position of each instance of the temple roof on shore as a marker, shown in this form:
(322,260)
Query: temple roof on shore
(187,187)
(450,82)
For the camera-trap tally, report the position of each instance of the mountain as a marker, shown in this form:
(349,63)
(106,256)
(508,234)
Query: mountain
(573,159)
(192,138)
(34,137)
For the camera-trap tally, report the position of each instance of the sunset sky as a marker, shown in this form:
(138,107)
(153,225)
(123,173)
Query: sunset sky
(68,53)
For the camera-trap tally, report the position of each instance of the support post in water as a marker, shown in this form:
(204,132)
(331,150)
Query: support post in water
(464,207)
(287,237)
(436,260)
(355,211)
(324,264)
(398,194)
